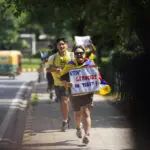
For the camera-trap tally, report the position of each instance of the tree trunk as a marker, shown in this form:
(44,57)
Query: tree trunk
(142,29)
(141,22)
(97,40)
(80,27)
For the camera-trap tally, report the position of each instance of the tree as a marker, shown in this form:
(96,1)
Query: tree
(80,17)
(141,23)
(111,20)
(8,32)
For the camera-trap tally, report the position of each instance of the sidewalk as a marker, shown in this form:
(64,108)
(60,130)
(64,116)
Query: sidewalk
(110,129)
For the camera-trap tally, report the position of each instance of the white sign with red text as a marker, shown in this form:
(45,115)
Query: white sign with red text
(85,80)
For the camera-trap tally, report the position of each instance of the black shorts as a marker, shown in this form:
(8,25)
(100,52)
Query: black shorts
(78,102)
(60,91)
(49,78)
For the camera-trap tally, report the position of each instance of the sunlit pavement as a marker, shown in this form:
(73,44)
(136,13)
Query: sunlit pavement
(110,129)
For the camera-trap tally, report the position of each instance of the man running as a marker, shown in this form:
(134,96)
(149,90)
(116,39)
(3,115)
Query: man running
(56,63)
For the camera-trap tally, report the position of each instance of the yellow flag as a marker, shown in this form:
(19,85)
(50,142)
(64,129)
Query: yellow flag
(104,91)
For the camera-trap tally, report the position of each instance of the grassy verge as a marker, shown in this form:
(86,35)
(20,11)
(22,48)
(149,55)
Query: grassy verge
(35,61)
(32,63)
(30,66)
(34,99)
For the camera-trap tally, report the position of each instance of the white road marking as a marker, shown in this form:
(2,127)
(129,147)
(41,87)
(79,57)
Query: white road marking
(5,123)
(9,86)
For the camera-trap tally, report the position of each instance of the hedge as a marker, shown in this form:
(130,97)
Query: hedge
(29,61)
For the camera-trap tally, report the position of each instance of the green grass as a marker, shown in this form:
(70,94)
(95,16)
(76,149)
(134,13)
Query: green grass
(49,102)
(31,61)
(34,99)
(105,59)
(32,66)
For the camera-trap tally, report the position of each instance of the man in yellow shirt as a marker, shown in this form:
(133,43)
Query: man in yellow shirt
(56,63)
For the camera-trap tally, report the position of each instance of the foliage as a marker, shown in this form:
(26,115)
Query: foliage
(110,22)
(8,32)
(31,66)
(45,50)
(121,60)
(104,61)
(34,99)
(37,55)
(11,26)
(31,61)
(78,17)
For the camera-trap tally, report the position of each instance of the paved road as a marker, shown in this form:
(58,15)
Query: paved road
(8,94)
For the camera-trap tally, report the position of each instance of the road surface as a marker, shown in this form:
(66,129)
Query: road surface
(10,91)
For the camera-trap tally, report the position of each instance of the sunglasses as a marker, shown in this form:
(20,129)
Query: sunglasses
(79,53)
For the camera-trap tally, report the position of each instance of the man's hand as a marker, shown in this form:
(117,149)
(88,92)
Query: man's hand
(58,70)
(67,84)
(54,69)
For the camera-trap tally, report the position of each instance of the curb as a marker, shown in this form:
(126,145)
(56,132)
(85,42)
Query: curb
(28,127)
(13,135)
(28,121)
(30,69)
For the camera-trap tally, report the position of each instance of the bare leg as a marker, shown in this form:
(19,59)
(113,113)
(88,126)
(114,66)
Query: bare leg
(64,106)
(89,108)
(77,117)
(86,120)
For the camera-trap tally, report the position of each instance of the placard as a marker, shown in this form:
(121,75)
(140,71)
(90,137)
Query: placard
(85,80)
(82,40)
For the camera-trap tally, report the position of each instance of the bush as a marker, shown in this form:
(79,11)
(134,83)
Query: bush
(32,66)
(30,61)
(37,55)
(121,60)
(34,98)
